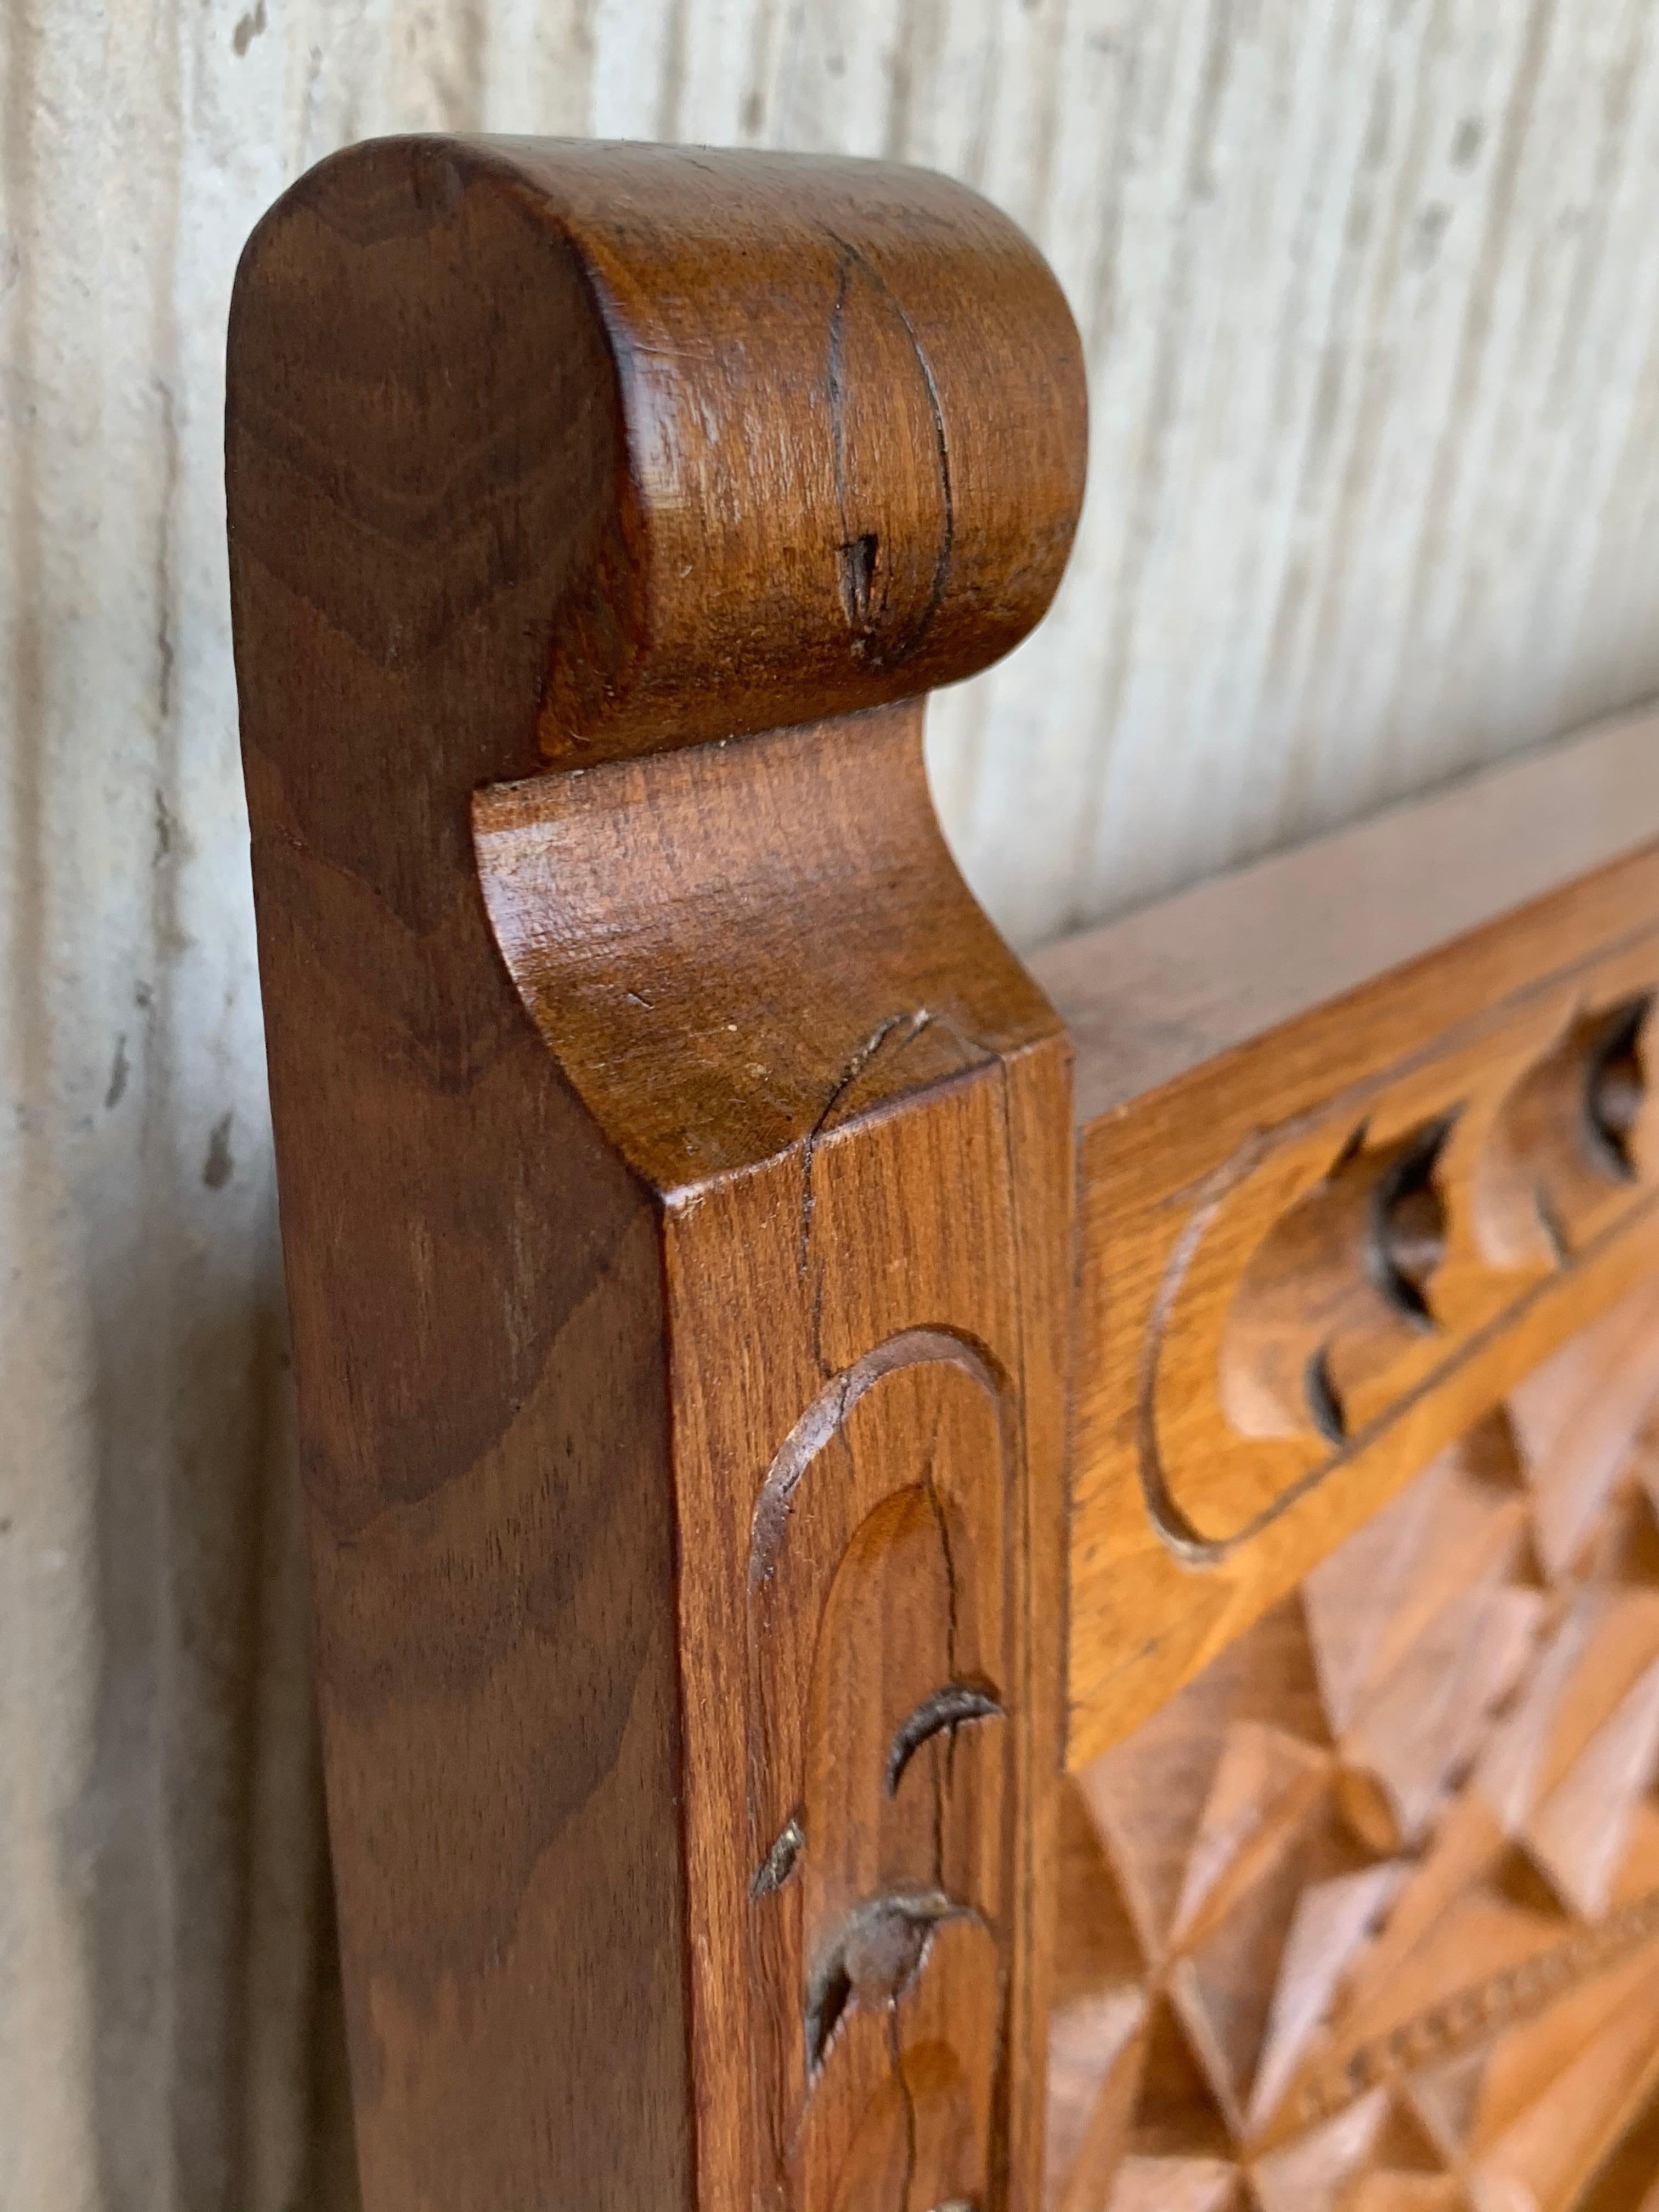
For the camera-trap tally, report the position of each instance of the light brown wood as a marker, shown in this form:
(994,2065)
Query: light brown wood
(865,1396)
(1188,979)
(1628,2181)
(678,1184)
(676,1169)
(1369,1913)
(1311,1252)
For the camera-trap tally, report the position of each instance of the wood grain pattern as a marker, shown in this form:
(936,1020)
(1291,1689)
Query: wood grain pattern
(1313,1251)
(656,1107)
(1366,297)
(1369,1913)
(901,1423)
(1192,978)
(675,1165)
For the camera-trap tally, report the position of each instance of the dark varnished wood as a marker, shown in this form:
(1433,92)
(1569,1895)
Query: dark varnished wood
(775,438)
(674,1165)
(846,1374)
(677,1183)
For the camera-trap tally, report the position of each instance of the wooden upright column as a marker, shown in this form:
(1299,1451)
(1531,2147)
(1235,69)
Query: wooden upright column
(675,1166)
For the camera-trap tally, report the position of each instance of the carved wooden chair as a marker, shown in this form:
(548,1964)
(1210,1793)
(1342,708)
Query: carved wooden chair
(938,1584)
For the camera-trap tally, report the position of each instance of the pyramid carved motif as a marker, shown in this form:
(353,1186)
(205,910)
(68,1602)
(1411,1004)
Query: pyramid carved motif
(1366,1919)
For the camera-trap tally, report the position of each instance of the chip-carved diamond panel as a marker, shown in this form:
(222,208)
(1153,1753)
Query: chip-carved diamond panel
(1366,1919)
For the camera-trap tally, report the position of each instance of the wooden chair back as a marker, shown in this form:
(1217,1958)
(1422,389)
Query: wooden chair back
(780,1382)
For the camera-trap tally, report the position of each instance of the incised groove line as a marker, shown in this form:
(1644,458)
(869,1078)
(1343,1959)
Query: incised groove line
(1513,1994)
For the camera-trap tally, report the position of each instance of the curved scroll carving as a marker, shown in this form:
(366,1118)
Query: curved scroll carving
(1336,1284)
(1347,1264)
(1564,1138)
(879,1788)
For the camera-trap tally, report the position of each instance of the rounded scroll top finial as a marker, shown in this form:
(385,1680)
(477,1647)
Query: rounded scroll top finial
(854,404)
(846,415)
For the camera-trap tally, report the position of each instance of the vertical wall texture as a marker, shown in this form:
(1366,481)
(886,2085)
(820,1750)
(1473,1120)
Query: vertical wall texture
(1369,291)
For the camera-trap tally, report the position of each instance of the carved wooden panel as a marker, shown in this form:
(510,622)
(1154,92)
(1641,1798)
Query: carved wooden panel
(1311,1255)
(677,1191)
(1340,1266)
(881,1613)
(1367,1915)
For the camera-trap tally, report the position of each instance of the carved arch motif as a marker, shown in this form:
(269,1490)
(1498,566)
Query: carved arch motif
(880,1787)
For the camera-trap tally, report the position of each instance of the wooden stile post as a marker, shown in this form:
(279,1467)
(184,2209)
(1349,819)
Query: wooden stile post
(677,1183)
(676,1168)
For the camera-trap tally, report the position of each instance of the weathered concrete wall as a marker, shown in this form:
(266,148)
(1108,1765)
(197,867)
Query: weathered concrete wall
(1369,293)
